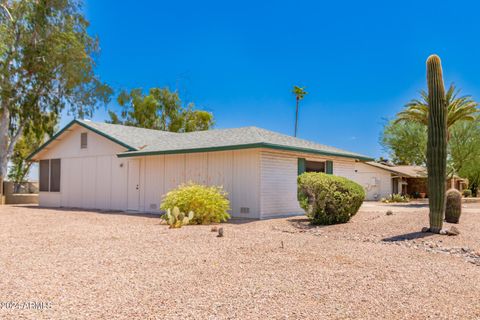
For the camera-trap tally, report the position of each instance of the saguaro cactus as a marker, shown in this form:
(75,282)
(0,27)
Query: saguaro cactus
(437,143)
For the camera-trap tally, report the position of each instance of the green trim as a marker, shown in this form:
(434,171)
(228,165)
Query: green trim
(329,167)
(243,146)
(75,121)
(301,165)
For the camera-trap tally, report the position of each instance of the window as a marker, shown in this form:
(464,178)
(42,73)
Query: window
(44,175)
(83,140)
(55,175)
(315,166)
(50,175)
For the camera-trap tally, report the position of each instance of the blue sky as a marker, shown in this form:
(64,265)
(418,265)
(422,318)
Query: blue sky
(359,60)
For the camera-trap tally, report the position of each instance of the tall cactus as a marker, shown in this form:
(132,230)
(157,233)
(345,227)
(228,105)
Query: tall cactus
(437,143)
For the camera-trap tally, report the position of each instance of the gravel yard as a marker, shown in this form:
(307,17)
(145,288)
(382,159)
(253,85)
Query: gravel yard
(90,265)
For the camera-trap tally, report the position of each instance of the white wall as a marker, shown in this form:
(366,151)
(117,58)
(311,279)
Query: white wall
(279,171)
(262,180)
(90,178)
(376,182)
(279,184)
(236,171)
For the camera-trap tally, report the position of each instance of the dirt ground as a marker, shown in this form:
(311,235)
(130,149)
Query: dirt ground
(66,264)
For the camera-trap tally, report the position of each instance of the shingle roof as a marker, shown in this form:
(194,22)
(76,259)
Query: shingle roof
(140,141)
(134,137)
(405,171)
(232,138)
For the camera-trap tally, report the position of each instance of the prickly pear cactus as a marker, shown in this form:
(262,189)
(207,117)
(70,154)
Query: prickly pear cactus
(176,219)
(437,143)
(453,208)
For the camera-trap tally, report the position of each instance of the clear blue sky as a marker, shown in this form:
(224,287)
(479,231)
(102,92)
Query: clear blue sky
(359,60)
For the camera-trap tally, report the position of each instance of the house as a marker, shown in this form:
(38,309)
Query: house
(114,167)
(409,180)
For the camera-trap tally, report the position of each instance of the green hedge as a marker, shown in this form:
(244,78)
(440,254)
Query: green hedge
(329,199)
(209,204)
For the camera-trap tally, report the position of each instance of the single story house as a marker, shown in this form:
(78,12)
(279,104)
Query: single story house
(113,167)
(407,180)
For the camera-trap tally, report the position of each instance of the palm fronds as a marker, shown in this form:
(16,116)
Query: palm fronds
(459,108)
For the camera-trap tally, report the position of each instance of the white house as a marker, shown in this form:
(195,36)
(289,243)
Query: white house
(114,167)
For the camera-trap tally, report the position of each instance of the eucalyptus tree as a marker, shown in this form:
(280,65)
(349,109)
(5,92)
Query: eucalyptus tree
(47,65)
(159,109)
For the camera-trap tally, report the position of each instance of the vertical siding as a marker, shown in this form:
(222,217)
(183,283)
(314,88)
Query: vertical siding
(103,182)
(236,171)
(119,184)
(196,167)
(73,187)
(154,186)
(89,173)
(174,171)
(220,171)
(278,184)
(246,183)
(90,178)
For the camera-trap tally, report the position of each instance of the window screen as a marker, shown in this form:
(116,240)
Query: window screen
(83,140)
(44,175)
(55,175)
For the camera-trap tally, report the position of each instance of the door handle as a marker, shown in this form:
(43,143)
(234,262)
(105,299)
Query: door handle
(136,187)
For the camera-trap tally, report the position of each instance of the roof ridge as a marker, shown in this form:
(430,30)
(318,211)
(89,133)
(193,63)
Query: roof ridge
(87,122)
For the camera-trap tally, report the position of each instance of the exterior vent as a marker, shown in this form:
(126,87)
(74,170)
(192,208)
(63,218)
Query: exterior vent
(83,140)
(244,210)
(153,206)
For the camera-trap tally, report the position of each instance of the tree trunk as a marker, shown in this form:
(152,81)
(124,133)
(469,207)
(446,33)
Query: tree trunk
(296,119)
(4,141)
(7,143)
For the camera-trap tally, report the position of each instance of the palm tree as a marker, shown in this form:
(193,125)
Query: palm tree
(299,93)
(459,108)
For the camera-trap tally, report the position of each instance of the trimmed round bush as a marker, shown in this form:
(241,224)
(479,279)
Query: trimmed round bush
(329,199)
(208,203)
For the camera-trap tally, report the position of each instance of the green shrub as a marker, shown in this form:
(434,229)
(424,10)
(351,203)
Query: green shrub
(395,198)
(467,193)
(210,204)
(329,199)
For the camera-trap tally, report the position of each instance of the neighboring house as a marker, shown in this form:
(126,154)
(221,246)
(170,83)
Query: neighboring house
(412,180)
(114,167)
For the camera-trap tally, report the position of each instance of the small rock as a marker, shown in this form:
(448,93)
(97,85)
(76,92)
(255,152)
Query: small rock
(220,232)
(443,232)
(214,229)
(389,213)
(425,229)
(453,231)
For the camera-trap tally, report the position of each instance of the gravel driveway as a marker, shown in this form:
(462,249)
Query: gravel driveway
(90,265)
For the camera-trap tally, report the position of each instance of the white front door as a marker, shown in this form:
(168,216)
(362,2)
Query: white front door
(133,196)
